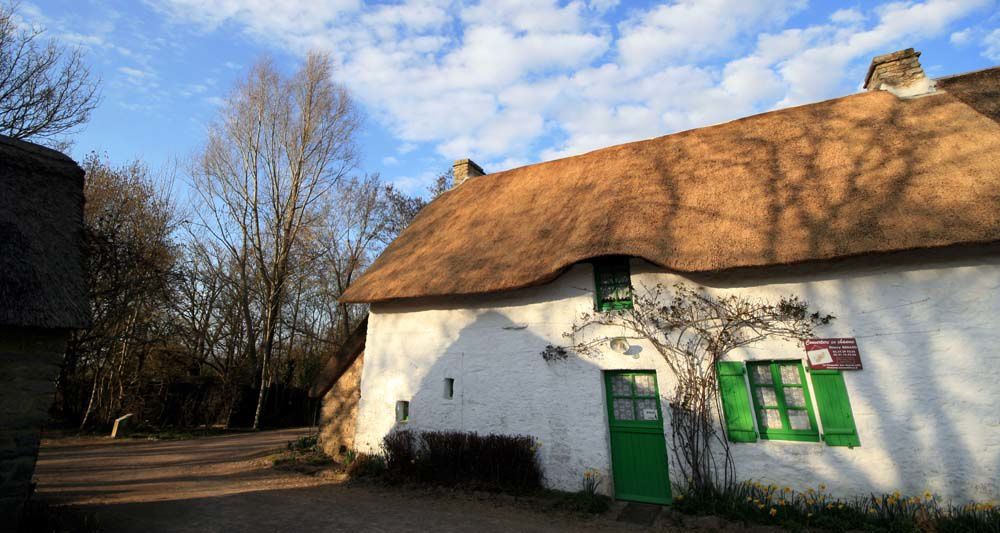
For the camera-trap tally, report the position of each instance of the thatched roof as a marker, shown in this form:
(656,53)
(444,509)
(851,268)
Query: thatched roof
(341,361)
(41,238)
(863,174)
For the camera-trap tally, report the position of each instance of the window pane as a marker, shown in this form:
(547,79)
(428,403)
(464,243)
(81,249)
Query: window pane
(799,419)
(794,397)
(790,374)
(623,409)
(647,409)
(645,385)
(765,396)
(771,418)
(761,374)
(621,385)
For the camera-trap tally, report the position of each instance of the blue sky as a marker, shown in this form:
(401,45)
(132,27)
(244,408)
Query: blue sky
(506,83)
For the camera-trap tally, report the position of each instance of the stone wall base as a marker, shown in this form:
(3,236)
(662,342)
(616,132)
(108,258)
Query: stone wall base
(29,366)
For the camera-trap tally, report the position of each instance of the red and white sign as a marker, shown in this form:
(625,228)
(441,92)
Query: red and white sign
(833,354)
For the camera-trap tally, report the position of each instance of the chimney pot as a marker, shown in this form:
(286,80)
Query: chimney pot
(464,169)
(899,73)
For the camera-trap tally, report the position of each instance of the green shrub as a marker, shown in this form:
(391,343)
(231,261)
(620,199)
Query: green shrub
(580,502)
(307,443)
(489,462)
(366,466)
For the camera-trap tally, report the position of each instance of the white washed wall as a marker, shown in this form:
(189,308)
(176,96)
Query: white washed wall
(927,404)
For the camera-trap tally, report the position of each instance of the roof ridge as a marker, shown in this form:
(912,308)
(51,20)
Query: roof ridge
(36,149)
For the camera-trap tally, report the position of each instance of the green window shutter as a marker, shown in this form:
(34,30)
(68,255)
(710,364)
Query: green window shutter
(736,402)
(834,408)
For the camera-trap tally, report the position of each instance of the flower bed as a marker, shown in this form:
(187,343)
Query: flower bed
(752,502)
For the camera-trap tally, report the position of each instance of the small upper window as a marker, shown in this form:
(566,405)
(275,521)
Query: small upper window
(449,388)
(402,411)
(613,282)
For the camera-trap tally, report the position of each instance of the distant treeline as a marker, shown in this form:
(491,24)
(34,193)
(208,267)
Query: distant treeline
(214,296)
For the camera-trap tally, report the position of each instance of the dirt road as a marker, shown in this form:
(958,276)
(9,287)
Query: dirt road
(226,484)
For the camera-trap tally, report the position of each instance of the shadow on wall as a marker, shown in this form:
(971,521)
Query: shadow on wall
(924,405)
(492,379)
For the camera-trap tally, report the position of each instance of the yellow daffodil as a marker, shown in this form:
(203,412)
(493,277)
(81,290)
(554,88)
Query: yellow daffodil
(928,495)
(774,511)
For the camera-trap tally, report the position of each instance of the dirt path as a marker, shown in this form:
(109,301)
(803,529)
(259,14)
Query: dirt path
(226,484)
(100,470)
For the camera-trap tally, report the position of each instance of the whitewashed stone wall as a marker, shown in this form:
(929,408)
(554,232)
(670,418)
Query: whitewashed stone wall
(927,404)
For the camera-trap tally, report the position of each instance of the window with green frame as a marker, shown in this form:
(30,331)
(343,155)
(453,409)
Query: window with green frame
(613,283)
(781,401)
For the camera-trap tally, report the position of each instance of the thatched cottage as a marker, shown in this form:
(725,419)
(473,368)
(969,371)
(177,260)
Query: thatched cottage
(42,298)
(882,208)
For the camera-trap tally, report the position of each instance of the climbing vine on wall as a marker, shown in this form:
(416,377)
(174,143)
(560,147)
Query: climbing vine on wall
(693,329)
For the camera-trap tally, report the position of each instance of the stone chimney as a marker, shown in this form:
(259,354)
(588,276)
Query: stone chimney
(464,169)
(899,73)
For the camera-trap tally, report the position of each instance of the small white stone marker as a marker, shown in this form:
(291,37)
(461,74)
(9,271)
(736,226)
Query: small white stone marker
(120,425)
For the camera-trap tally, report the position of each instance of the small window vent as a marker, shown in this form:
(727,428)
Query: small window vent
(402,411)
(449,388)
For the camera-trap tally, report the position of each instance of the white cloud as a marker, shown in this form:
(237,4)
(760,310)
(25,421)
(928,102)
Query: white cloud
(508,81)
(694,29)
(961,37)
(389,161)
(818,70)
(991,45)
(847,16)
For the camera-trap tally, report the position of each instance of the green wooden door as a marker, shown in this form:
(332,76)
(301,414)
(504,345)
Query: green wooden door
(638,450)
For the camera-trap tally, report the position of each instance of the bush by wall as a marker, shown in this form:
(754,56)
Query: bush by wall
(486,462)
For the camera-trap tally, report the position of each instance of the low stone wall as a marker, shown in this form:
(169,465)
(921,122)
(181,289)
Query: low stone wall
(29,366)
(340,411)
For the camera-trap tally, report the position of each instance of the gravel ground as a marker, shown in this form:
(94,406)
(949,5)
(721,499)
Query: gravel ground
(227,484)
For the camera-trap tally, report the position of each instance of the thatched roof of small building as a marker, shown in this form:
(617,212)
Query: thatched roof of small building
(341,361)
(41,238)
(863,174)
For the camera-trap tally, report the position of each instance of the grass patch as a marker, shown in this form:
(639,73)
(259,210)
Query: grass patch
(582,502)
(304,456)
(180,433)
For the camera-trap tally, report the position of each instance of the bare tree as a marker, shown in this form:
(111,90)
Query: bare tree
(401,207)
(45,89)
(129,223)
(277,149)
